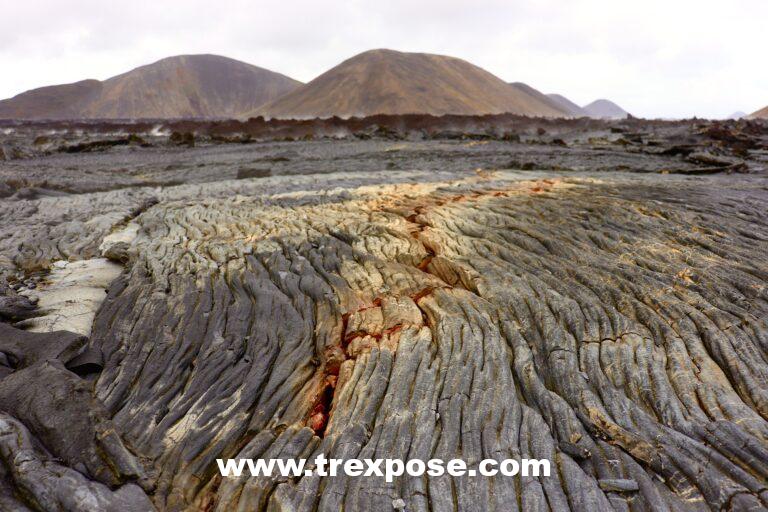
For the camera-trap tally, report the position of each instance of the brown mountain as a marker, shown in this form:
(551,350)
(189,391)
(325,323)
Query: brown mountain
(60,101)
(391,82)
(760,114)
(201,86)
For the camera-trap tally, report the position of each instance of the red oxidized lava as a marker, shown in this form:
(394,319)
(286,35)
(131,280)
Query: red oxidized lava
(318,417)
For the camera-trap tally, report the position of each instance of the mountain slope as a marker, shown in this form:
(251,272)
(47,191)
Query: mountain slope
(760,114)
(605,109)
(541,97)
(57,101)
(391,82)
(203,86)
(568,105)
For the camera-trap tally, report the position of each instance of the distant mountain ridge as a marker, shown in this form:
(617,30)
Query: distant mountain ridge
(373,82)
(185,86)
(391,82)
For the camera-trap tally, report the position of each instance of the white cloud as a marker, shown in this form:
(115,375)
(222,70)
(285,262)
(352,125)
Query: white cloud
(655,58)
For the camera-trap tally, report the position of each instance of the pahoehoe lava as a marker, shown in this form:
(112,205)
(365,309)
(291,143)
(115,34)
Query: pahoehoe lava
(613,322)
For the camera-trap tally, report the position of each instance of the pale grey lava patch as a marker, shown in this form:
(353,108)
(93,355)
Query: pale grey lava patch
(71,295)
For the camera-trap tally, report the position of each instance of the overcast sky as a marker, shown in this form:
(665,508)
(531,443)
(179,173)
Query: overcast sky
(656,58)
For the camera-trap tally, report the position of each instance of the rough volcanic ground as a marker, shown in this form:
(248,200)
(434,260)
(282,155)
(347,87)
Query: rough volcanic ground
(591,293)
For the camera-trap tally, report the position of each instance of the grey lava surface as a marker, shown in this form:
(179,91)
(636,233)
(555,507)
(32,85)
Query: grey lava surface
(592,293)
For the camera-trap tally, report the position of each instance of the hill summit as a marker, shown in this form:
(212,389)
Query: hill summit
(392,82)
(185,86)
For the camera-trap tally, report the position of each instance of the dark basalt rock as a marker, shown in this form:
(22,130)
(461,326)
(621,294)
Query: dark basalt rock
(59,451)
(102,144)
(88,362)
(245,173)
(59,409)
(25,349)
(32,480)
(182,139)
(15,307)
(118,252)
